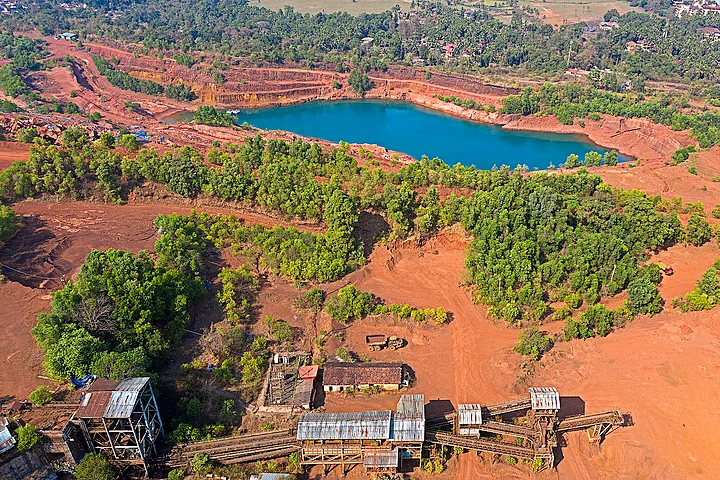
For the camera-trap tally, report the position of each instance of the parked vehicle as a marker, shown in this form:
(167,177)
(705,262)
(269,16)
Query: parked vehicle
(378,342)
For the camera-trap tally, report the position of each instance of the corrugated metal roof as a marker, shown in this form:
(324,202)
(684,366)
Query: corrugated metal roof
(408,423)
(121,404)
(7,441)
(367,425)
(544,398)
(469,414)
(304,392)
(412,405)
(132,384)
(93,405)
(103,385)
(381,458)
(407,429)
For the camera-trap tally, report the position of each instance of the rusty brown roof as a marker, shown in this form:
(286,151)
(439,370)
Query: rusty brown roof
(346,373)
(103,385)
(93,404)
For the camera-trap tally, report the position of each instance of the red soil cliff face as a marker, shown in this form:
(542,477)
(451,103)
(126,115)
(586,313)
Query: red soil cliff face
(250,87)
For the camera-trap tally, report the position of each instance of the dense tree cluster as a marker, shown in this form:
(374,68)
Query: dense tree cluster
(180,92)
(538,239)
(21,50)
(676,50)
(360,82)
(239,288)
(11,82)
(351,304)
(284,251)
(548,237)
(208,115)
(575,101)
(119,315)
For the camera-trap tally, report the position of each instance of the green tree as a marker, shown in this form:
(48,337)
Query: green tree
(643,296)
(593,159)
(572,161)
(9,223)
(27,135)
(128,142)
(360,82)
(349,304)
(176,474)
(94,466)
(611,158)
(533,343)
(698,230)
(27,437)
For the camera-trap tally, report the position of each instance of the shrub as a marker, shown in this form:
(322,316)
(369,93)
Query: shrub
(27,437)
(716,211)
(193,408)
(533,343)
(9,223)
(201,464)
(94,466)
(176,474)
(280,330)
(27,135)
(128,142)
(41,396)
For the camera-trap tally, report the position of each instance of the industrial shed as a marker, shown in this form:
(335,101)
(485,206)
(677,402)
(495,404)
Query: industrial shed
(340,376)
(377,439)
(469,418)
(121,420)
(544,398)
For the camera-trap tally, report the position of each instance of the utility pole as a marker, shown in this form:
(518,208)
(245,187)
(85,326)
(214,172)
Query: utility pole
(568,59)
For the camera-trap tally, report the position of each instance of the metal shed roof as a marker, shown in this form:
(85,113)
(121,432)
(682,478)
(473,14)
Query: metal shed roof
(469,414)
(132,384)
(407,429)
(103,385)
(408,423)
(367,425)
(121,404)
(7,441)
(381,459)
(412,405)
(272,476)
(544,398)
(93,405)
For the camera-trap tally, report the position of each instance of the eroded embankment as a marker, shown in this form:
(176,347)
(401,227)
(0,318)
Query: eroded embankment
(247,86)
(252,87)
